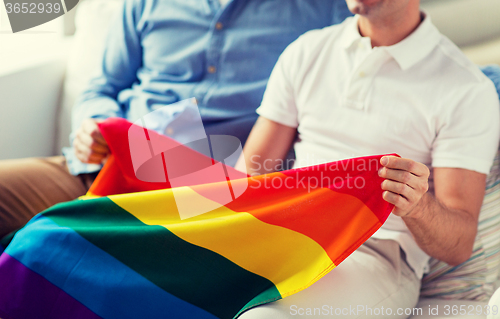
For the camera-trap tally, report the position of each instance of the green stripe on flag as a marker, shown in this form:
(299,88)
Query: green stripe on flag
(192,273)
(5,241)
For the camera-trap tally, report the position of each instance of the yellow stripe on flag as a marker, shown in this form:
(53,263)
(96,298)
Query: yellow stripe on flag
(230,233)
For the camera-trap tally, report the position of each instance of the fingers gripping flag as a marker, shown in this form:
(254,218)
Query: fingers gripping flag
(128,251)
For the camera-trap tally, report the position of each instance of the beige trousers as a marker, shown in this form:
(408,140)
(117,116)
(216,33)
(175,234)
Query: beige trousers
(28,186)
(374,282)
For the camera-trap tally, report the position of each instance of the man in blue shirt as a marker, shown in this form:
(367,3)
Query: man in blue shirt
(161,52)
(157,53)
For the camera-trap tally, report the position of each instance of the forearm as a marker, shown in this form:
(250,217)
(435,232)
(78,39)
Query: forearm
(266,147)
(444,233)
(258,164)
(444,225)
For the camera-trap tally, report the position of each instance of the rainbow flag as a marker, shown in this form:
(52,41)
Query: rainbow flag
(127,251)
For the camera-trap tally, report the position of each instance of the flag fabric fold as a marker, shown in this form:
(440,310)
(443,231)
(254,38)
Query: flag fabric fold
(133,248)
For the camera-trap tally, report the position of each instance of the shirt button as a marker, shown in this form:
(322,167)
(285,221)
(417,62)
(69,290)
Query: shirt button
(362,74)
(211,69)
(170,131)
(219,26)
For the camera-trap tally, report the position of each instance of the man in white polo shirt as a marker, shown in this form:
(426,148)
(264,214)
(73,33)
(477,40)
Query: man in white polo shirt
(384,81)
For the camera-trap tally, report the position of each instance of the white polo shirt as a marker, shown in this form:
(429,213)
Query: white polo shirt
(421,98)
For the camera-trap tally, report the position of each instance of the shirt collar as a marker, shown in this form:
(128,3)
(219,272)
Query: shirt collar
(417,45)
(407,52)
(351,35)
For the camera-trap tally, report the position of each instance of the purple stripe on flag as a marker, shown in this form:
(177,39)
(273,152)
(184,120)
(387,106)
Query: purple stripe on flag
(26,294)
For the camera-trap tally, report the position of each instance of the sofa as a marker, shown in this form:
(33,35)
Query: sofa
(474,25)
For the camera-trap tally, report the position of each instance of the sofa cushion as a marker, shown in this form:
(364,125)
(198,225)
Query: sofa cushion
(475,278)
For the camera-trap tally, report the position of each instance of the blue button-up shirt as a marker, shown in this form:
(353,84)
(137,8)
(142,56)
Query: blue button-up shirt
(162,51)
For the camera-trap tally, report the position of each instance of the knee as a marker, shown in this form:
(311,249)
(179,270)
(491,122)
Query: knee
(15,170)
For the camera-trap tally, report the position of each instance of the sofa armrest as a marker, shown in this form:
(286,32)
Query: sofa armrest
(29,101)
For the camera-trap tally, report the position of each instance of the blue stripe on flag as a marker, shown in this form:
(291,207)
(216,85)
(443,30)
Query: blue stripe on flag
(90,275)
